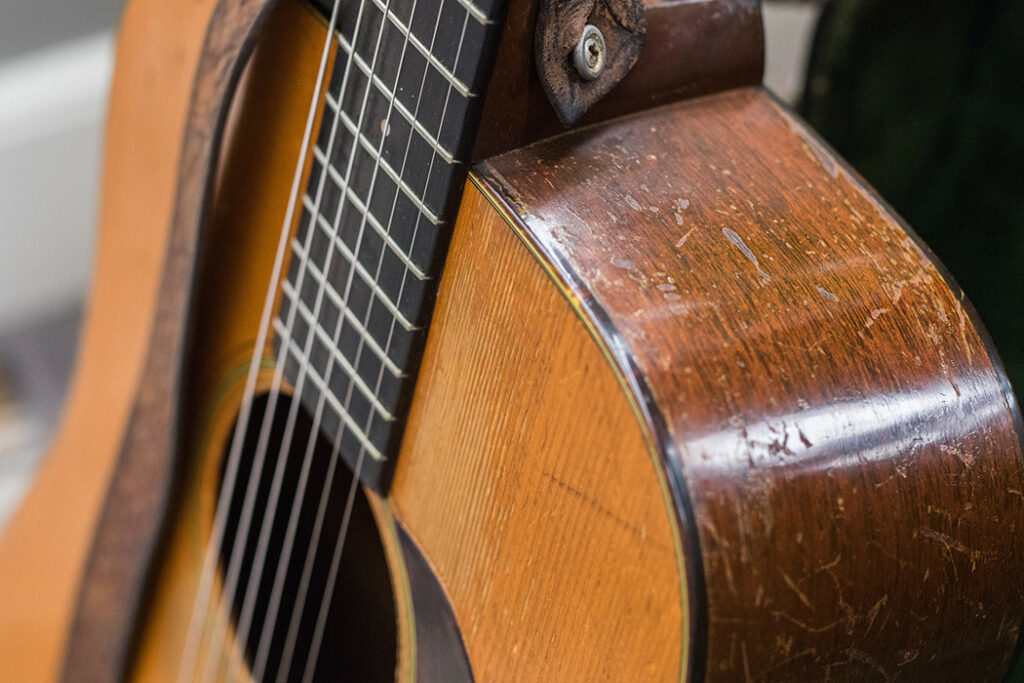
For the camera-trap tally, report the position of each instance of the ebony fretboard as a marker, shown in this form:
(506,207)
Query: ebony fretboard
(388,168)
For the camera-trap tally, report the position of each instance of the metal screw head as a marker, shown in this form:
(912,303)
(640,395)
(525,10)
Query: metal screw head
(589,55)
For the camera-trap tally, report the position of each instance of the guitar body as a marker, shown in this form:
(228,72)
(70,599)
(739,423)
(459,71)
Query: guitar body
(694,405)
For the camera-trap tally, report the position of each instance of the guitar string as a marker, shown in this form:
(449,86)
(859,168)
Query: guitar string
(285,555)
(376,279)
(237,553)
(197,620)
(254,580)
(220,638)
(316,533)
(284,561)
(325,601)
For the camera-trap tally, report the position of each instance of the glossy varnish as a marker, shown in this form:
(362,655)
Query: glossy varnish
(844,432)
(786,362)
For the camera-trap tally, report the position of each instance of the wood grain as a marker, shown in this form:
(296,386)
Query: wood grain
(847,438)
(526,479)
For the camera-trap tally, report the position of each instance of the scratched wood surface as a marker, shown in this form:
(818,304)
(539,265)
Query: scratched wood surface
(846,435)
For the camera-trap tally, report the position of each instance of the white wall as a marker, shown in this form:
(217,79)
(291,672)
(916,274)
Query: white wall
(52,105)
(789,29)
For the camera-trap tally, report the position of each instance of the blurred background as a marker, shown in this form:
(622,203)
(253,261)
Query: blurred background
(56,59)
(923,98)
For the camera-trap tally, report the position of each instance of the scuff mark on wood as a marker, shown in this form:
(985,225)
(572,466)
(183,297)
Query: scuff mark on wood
(875,315)
(682,240)
(745,250)
(963,456)
(865,658)
(827,294)
(623,263)
(796,589)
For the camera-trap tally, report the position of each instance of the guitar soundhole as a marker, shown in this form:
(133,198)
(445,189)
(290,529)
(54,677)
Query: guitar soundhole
(359,641)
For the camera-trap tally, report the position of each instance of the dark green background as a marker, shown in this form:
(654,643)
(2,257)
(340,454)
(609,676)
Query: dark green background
(926,100)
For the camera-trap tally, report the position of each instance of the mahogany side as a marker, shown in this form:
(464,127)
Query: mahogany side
(845,435)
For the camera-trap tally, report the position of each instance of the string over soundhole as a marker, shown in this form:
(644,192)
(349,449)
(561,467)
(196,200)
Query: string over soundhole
(340,624)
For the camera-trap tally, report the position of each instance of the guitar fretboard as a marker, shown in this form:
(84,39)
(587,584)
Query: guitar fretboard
(388,167)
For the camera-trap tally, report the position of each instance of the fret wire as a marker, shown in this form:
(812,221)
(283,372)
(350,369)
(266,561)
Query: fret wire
(289,289)
(328,395)
(402,109)
(374,223)
(476,12)
(350,257)
(459,86)
(390,172)
(380,154)
(332,346)
(430,168)
(437,149)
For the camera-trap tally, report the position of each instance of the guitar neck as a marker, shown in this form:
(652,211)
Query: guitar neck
(398,122)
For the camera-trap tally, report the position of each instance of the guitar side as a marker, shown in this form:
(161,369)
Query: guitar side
(848,446)
(560,405)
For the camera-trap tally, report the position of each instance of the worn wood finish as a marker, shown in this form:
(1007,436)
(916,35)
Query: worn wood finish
(846,437)
(43,549)
(101,583)
(738,313)
(117,575)
(529,484)
(689,49)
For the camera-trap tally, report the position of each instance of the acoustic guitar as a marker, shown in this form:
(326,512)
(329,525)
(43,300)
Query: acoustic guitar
(453,340)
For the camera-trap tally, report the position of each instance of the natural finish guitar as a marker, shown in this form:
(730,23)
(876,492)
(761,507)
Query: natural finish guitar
(386,377)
